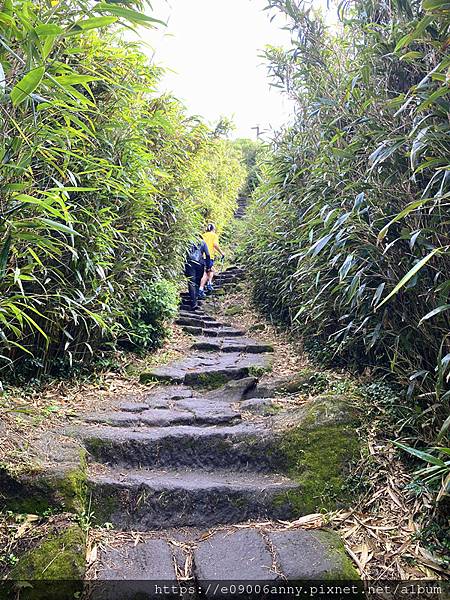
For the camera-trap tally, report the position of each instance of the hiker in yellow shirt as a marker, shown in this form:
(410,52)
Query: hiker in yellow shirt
(212,241)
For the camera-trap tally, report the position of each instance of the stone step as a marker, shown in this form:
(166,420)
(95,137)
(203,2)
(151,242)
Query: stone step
(188,412)
(251,553)
(161,417)
(211,369)
(220,332)
(197,314)
(241,447)
(187,305)
(198,322)
(141,500)
(239,344)
(167,396)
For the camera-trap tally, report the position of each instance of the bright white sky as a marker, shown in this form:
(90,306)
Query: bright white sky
(213,48)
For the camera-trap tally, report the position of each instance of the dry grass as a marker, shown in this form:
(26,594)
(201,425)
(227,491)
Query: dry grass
(381,531)
(29,411)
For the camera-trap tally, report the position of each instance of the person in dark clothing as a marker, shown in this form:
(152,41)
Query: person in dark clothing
(197,259)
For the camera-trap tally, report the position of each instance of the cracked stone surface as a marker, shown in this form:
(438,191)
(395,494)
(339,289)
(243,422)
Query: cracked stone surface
(150,560)
(239,555)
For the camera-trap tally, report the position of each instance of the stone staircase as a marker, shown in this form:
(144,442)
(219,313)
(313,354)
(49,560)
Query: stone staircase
(242,202)
(188,457)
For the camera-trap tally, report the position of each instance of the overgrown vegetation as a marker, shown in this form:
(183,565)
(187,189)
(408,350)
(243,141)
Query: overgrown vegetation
(103,183)
(357,257)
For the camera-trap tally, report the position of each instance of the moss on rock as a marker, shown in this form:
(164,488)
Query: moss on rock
(59,487)
(308,381)
(318,446)
(210,381)
(58,556)
(343,567)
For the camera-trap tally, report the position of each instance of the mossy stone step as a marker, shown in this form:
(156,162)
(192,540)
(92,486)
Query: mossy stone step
(221,332)
(142,500)
(239,447)
(248,554)
(59,557)
(238,344)
(210,370)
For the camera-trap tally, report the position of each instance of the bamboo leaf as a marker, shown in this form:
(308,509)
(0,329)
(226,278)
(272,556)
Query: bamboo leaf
(128,14)
(422,455)
(4,254)
(409,275)
(27,85)
(401,215)
(434,312)
(96,22)
(59,226)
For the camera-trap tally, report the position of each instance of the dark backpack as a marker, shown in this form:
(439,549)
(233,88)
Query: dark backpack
(195,253)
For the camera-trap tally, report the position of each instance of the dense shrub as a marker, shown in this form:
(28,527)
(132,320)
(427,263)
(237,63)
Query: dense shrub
(356,257)
(103,182)
(156,306)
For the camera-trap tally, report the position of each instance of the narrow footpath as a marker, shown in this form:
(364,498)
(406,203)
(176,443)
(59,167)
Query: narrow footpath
(197,471)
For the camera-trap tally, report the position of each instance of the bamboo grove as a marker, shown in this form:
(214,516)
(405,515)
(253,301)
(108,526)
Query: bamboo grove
(103,183)
(358,189)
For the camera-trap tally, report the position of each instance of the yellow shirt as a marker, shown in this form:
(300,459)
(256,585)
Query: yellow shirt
(211,238)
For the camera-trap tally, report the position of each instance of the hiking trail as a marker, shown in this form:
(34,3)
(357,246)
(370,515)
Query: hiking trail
(198,455)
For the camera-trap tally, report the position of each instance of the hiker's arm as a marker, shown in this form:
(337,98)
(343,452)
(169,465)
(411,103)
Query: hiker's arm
(218,248)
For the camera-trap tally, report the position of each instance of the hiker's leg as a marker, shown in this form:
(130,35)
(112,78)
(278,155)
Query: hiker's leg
(190,272)
(204,280)
(199,274)
(209,274)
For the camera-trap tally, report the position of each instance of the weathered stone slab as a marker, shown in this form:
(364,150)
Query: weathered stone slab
(221,332)
(227,344)
(165,417)
(210,370)
(149,560)
(269,388)
(233,391)
(240,555)
(116,419)
(209,411)
(197,321)
(257,406)
(133,407)
(312,555)
(238,447)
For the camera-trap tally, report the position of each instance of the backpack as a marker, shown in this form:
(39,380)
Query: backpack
(195,253)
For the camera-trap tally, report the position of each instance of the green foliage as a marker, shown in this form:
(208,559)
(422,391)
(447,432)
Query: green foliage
(157,304)
(437,472)
(253,154)
(356,257)
(103,182)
